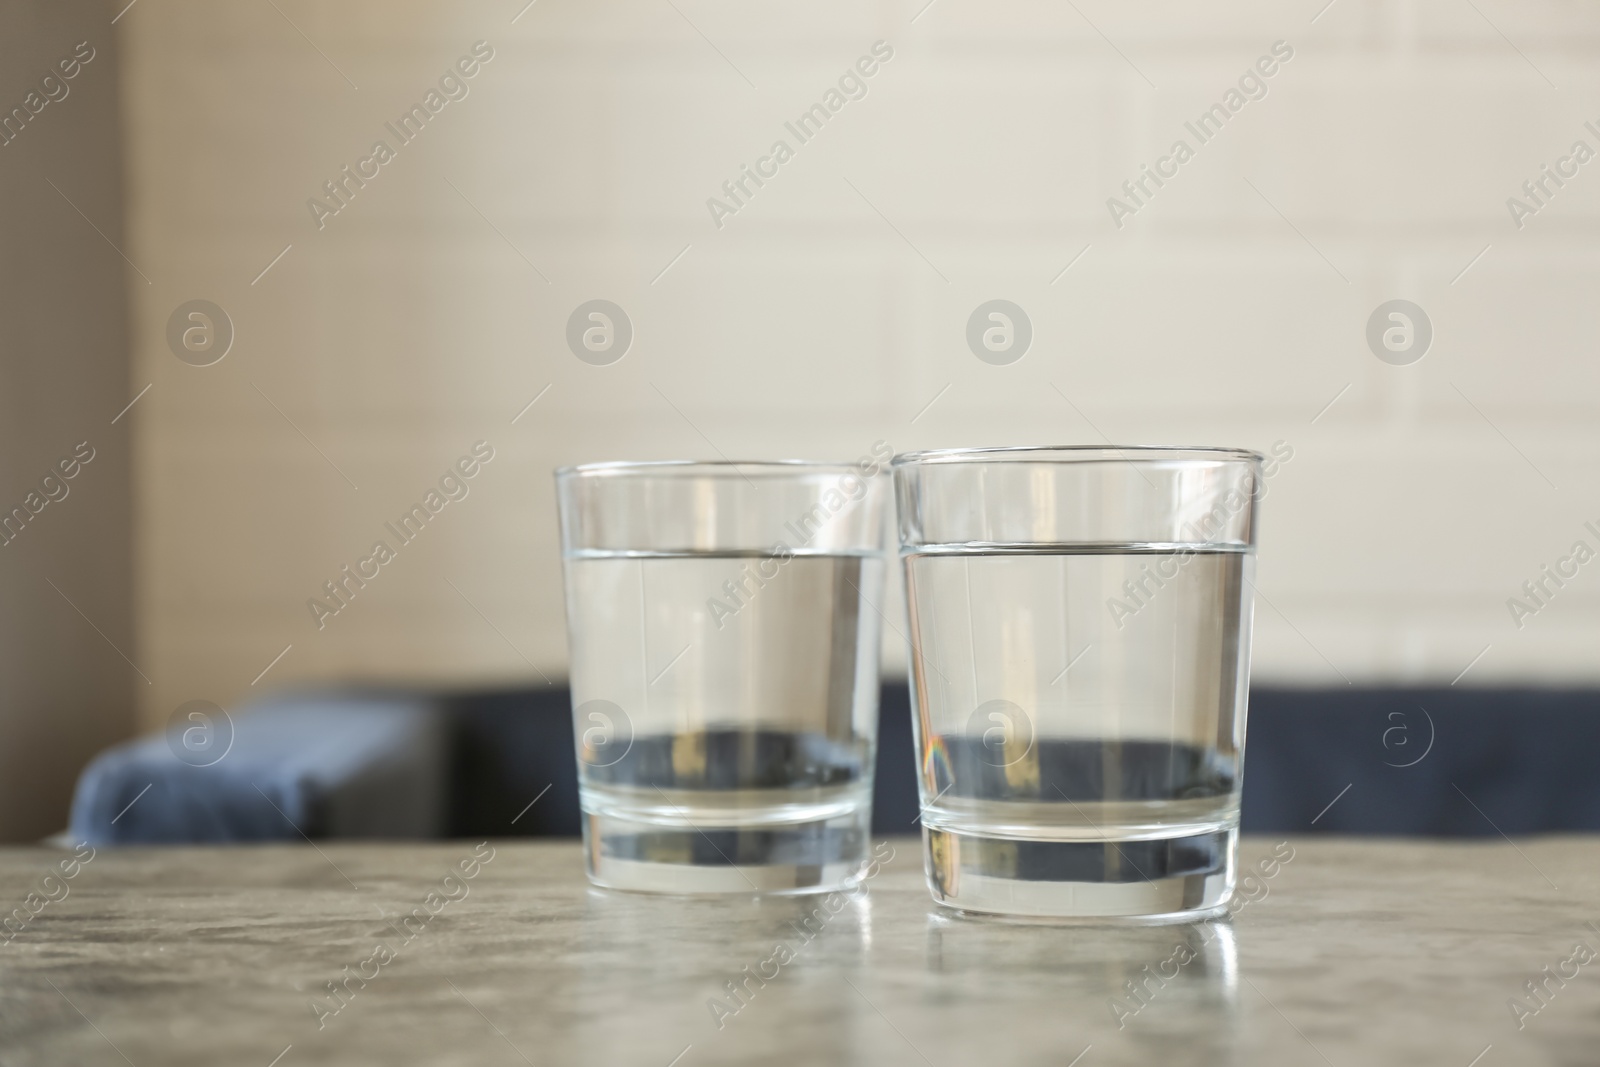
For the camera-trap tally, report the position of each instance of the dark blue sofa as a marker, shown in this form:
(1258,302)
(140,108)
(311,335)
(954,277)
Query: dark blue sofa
(370,763)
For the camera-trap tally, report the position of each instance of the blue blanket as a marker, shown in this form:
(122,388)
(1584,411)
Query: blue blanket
(308,765)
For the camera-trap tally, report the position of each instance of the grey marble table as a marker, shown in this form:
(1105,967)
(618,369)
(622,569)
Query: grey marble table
(1350,952)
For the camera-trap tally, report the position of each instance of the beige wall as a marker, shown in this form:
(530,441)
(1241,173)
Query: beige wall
(829,311)
(66,601)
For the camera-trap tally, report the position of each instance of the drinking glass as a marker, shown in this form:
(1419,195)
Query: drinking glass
(724,669)
(1080,651)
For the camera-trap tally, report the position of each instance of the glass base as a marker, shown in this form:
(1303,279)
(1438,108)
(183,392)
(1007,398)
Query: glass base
(1179,879)
(648,857)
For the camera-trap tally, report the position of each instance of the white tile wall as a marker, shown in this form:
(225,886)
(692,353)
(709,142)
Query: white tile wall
(808,325)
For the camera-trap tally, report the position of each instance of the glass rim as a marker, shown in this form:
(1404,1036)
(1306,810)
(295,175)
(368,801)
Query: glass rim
(1076,454)
(722,467)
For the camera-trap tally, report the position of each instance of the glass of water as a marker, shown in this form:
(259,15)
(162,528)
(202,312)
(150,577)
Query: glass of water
(724,669)
(1080,656)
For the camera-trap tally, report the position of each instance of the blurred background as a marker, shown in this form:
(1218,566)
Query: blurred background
(371,316)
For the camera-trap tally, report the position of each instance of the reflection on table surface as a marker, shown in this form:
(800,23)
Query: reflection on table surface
(1338,951)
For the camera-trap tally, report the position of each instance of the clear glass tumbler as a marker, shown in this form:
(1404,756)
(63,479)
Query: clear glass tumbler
(724,668)
(1080,653)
